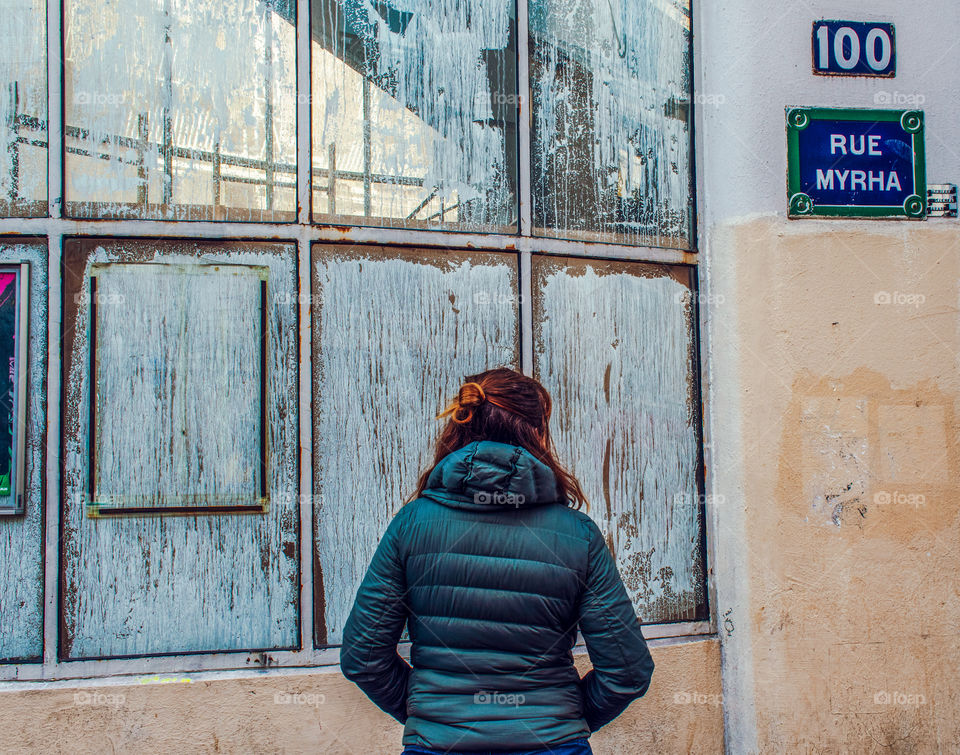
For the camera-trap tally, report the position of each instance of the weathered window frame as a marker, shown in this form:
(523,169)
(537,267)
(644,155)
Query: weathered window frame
(19,420)
(95,505)
(302,232)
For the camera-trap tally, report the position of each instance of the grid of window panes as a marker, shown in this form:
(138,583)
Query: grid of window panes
(187,110)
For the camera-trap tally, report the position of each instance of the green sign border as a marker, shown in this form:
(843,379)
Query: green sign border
(799,205)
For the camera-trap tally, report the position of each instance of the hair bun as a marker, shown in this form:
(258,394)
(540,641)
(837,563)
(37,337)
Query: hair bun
(471,394)
(461,409)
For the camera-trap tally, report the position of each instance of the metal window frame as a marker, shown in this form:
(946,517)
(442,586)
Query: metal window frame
(303,233)
(18,439)
(98,507)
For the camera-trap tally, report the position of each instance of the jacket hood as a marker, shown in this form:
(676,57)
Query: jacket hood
(486,475)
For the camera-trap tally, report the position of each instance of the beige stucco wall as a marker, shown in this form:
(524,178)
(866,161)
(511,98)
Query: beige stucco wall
(841,341)
(321,712)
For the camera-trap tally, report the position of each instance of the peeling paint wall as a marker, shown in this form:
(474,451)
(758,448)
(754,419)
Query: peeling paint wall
(180,96)
(23,109)
(320,712)
(610,142)
(415,111)
(195,392)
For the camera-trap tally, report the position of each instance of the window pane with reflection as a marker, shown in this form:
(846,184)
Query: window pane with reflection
(414,113)
(23,108)
(180,109)
(610,141)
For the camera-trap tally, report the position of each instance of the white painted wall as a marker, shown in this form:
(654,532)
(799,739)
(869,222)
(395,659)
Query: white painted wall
(755,59)
(752,59)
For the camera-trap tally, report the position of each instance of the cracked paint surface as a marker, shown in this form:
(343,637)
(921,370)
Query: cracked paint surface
(613,345)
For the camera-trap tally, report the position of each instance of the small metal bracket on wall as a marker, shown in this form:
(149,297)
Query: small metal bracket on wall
(942,201)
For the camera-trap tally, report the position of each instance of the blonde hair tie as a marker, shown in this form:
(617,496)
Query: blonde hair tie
(469,397)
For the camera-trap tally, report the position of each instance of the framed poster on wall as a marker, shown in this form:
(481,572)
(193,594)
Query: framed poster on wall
(14,319)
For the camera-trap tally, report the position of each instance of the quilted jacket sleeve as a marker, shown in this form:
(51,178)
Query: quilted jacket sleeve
(368,656)
(622,665)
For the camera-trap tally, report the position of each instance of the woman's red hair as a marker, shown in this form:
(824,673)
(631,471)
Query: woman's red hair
(505,406)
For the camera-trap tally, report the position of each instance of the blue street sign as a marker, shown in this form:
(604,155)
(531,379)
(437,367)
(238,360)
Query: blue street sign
(854,48)
(857,163)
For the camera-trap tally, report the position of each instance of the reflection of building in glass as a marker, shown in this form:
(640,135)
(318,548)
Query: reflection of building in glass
(610,136)
(420,106)
(182,111)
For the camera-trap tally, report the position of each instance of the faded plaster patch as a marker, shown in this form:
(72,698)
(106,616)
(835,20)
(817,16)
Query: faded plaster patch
(835,451)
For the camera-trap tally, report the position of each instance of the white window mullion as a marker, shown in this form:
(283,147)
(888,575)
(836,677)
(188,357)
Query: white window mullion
(526,315)
(524,118)
(304,149)
(51,550)
(304,201)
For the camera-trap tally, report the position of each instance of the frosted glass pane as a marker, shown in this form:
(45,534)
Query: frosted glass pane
(23,108)
(415,113)
(614,345)
(180,109)
(394,335)
(610,142)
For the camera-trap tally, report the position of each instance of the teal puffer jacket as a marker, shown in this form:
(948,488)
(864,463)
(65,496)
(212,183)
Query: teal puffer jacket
(493,576)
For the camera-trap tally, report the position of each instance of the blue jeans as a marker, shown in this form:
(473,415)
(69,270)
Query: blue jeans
(573,747)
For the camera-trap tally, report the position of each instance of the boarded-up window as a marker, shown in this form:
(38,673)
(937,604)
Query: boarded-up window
(178,404)
(21,588)
(23,108)
(185,324)
(614,344)
(394,335)
(415,113)
(610,139)
(180,110)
